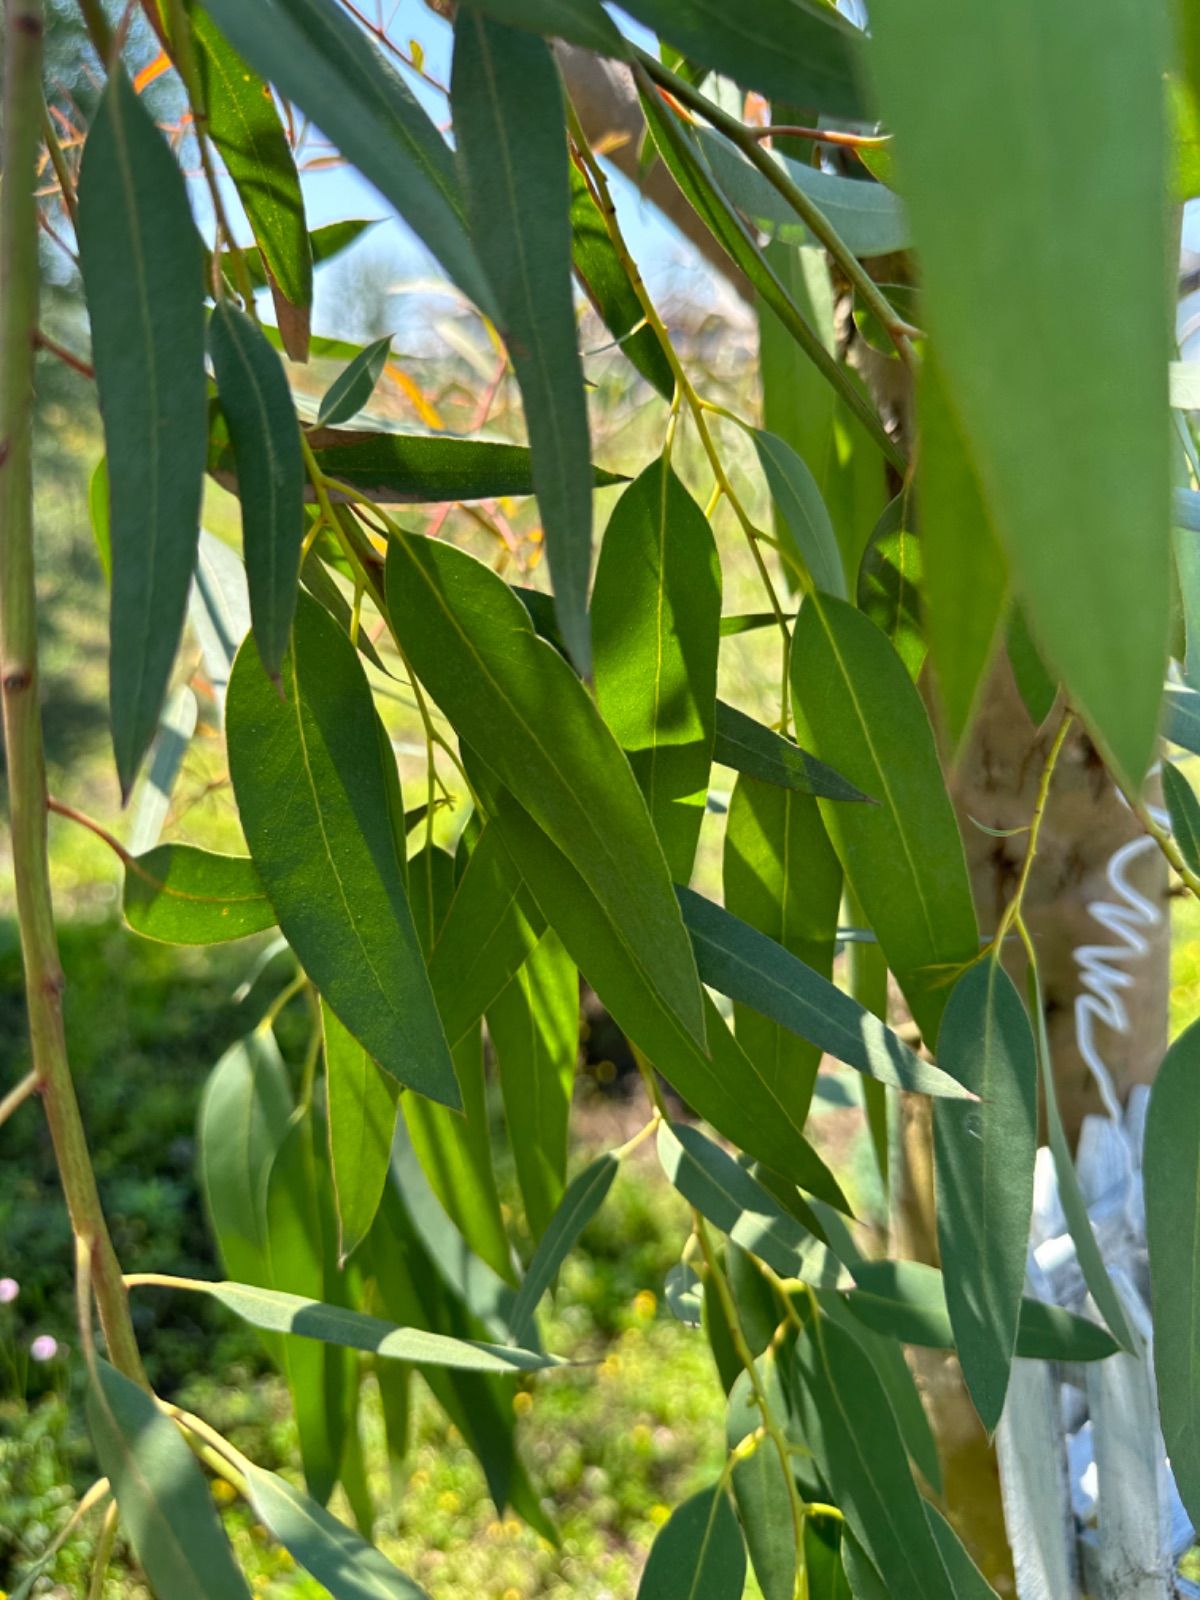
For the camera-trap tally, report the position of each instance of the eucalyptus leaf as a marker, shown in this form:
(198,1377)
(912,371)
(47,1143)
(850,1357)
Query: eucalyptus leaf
(181,894)
(354,386)
(798,500)
(361,1111)
(698,1551)
(760,752)
(583,1198)
(1184,810)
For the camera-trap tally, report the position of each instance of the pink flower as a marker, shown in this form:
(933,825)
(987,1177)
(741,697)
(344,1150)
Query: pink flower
(9,1290)
(44,1347)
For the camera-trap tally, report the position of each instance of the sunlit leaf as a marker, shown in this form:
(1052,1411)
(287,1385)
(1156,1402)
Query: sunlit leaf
(361,1110)
(583,1198)
(1184,809)
(759,752)
(183,895)
(760,1486)
(354,386)
(698,1551)
(802,511)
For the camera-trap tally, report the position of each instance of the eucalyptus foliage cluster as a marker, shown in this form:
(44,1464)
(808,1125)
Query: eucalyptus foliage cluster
(1027,156)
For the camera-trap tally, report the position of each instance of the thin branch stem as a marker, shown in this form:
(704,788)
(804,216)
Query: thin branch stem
(1012,910)
(104,1550)
(67,357)
(1165,841)
(17,1095)
(58,161)
(796,130)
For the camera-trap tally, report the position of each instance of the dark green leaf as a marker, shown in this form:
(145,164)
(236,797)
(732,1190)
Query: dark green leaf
(353,387)
(827,1578)
(747,746)
(890,580)
(1037,688)
(512,150)
(760,1486)
(656,608)
(802,512)
(184,895)
(140,256)
(317,56)
(583,1198)
(265,439)
(313,793)
(1059,385)
(1182,724)
(1185,813)
(581,22)
(167,1513)
(361,1110)
(983,1163)
(698,1554)
(966,1579)
(506,692)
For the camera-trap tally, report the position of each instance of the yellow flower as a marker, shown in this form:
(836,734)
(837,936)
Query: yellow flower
(645,1304)
(223,1493)
(449,1501)
(659,1514)
(522,1402)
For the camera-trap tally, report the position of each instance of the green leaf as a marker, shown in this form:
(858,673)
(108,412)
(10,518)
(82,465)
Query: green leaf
(98,515)
(512,151)
(581,22)
(313,793)
(281,1312)
(265,438)
(966,1579)
(324,244)
(183,895)
(583,1198)
(734,1201)
(722,1084)
(349,1567)
(759,752)
(533,1025)
(245,127)
(506,692)
(167,1513)
(140,256)
(607,286)
(966,574)
(983,1165)
(656,609)
(1059,387)
(890,580)
(361,1109)
(317,56)
(698,1553)
(868,217)
(794,50)
(1184,809)
(685,162)
(798,500)
(907,1301)
(782,877)
(823,1564)
(354,386)
(1038,690)
(760,1487)
(857,708)
(756,970)
(1172,1177)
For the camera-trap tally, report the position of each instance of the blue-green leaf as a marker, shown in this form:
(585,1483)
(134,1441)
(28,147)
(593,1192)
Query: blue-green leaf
(802,512)
(698,1552)
(759,752)
(354,386)
(583,1198)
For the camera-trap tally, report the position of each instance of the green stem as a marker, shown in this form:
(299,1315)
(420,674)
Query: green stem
(19,673)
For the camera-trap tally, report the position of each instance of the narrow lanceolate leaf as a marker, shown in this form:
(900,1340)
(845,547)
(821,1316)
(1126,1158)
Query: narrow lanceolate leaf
(353,387)
(656,610)
(512,150)
(760,1485)
(280,1312)
(984,1156)
(314,793)
(1045,384)
(534,1029)
(756,970)
(853,1435)
(1185,813)
(759,752)
(318,57)
(965,1577)
(1172,1176)
(802,513)
(890,580)
(183,895)
(515,701)
(349,1567)
(142,268)
(582,22)
(167,1513)
(245,127)
(265,436)
(698,1554)
(360,1105)
(781,876)
(584,1197)
(794,50)
(734,1201)
(857,708)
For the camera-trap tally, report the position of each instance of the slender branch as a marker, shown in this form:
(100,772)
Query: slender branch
(1012,910)
(67,357)
(1165,841)
(104,1550)
(58,161)
(796,130)
(19,673)
(18,1094)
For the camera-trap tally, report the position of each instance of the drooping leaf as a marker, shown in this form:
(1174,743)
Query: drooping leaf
(349,1567)
(756,970)
(167,1513)
(583,1198)
(734,1201)
(782,877)
(505,691)
(823,1562)
(656,608)
(512,150)
(965,1577)
(760,1488)
(581,22)
(1185,813)
(318,57)
(857,708)
(759,752)
(890,580)
(354,385)
(1171,1165)
(698,1551)
(264,435)
(140,256)
(1044,384)
(361,1110)
(313,793)
(183,895)
(533,1025)
(802,511)
(1038,690)
(983,1164)
(176,727)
